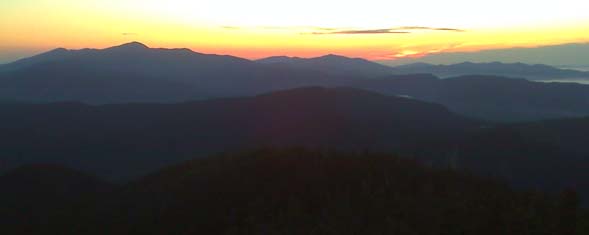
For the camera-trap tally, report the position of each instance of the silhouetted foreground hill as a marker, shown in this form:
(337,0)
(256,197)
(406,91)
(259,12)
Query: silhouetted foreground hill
(517,70)
(565,133)
(309,192)
(132,139)
(33,194)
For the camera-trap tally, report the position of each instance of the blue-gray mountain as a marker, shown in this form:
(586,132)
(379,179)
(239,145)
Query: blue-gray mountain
(332,64)
(516,70)
(562,56)
(125,140)
(135,73)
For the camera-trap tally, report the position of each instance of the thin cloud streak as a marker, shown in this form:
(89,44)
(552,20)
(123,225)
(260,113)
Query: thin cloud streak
(396,30)
(230,27)
(370,31)
(313,30)
(427,28)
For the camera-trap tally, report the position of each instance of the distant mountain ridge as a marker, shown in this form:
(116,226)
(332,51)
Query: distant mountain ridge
(517,70)
(553,55)
(491,97)
(133,72)
(96,138)
(332,64)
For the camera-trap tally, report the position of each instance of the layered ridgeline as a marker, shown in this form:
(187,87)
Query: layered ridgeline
(295,192)
(131,139)
(340,65)
(126,141)
(574,55)
(332,64)
(135,73)
(517,70)
(490,97)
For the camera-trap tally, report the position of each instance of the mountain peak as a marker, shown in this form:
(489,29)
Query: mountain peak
(277,59)
(59,50)
(130,46)
(334,56)
(134,44)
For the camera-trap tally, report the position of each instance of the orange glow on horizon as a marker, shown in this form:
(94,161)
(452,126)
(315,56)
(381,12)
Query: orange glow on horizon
(32,26)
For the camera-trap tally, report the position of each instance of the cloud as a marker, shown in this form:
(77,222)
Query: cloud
(428,28)
(396,30)
(129,34)
(230,27)
(326,30)
(369,31)
(449,29)
(410,51)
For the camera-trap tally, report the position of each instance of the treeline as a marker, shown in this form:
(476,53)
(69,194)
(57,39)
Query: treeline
(296,191)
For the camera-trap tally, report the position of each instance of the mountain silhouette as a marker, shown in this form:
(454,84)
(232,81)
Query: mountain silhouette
(490,97)
(296,191)
(131,46)
(564,55)
(135,73)
(518,70)
(36,195)
(120,141)
(125,141)
(332,64)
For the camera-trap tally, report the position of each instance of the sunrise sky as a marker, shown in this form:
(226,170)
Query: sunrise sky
(372,29)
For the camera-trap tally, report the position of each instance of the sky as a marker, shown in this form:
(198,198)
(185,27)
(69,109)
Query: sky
(371,29)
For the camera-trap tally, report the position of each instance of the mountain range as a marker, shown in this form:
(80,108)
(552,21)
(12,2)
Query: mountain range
(518,70)
(135,73)
(332,64)
(490,97)
(169,135)
(126,140)
(573,55)
(339,65)
(121,142)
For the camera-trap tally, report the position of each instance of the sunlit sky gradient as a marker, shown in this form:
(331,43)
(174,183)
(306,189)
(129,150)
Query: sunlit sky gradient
(372,29)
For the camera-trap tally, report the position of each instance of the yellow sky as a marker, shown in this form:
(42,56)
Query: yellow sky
(373,29)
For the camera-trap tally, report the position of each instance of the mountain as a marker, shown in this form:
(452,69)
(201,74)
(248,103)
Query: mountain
(124,141)
(127,140)
(37,194)
(132,52)
(296,191)
(490,97)
(518,70)
(565,133)
(135,73)
(53,55)
(332,64)
(561,56)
